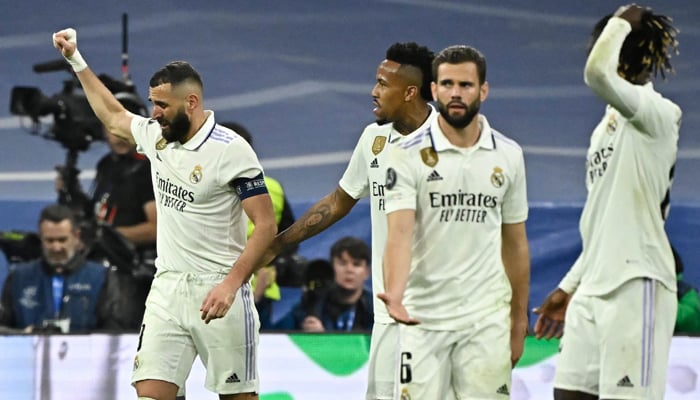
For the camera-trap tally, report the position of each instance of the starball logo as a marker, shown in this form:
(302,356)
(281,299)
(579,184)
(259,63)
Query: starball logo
(172,195)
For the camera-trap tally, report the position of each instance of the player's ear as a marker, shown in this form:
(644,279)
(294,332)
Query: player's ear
(410,93)
(484,91)
(192,101)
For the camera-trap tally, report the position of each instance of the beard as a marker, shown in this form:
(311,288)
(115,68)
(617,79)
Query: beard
(178,127)
(459,122)
(58,260)
(381,121)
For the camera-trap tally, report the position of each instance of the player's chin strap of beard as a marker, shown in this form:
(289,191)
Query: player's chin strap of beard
(71,265)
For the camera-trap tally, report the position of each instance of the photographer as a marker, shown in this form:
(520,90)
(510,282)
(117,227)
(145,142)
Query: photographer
(121,195)
(60,291)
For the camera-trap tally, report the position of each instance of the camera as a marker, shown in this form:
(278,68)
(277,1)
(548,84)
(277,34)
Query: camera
(75,124)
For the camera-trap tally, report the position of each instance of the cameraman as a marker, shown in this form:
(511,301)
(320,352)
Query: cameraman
(121,195)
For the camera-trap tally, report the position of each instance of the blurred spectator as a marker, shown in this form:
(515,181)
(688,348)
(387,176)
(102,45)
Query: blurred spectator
(265,280)
(61,291)
(344,305)
(688,317)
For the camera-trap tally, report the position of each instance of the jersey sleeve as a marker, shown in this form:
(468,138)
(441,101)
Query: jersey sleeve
(355,180)
(647,110)
(656,115)
(237,163)
(401,185)
(572,279)
(146,132)
(600,73)
(514,208)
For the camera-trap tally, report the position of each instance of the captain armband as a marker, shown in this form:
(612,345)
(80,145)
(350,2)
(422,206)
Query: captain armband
(249,187)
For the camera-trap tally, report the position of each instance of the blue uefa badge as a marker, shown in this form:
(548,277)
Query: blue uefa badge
(390,178)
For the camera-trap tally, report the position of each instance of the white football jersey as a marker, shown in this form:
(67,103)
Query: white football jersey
(461,197)
(201,223)
(365,175)
(629,169)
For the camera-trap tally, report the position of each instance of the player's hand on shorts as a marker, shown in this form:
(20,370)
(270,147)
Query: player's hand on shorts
(396,310)
(218,301)
(65,41)
(550,322)
(312,324)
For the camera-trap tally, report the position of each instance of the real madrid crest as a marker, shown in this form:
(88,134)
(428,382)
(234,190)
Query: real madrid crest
(196,174)
(429,156)
(160,145)
(405,395)
(378,144)
(497,177)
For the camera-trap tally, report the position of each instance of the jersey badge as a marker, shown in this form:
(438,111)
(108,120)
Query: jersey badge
(160,145)
(497,177)
(378,144)
(136,363)
(390,178)
(374,164)
(429,156)
(612,124)
(196,174)
(405,395)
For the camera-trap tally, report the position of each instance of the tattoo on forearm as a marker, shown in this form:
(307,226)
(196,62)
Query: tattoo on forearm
(314,221)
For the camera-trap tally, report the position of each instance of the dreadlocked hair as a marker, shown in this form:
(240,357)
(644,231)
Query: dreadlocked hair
(649,48)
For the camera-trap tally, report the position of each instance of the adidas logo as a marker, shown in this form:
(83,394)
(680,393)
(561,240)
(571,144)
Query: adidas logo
(503,389)
(434,176)
(374,164)
(625,382)
(233,379)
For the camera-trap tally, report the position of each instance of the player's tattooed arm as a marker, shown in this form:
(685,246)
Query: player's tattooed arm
(318,218)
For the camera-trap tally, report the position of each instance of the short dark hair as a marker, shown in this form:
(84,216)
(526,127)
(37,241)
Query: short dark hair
(421,57)
(459,54)
(357,248)
(57,213)
(647,48)
(175,73)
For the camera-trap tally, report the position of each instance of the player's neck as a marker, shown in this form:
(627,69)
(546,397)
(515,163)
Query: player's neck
(461,137)
(413,119)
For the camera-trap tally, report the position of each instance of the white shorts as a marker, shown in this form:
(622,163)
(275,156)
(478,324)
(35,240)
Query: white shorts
(616,346)
(173,334)
(473,363)
(383,360)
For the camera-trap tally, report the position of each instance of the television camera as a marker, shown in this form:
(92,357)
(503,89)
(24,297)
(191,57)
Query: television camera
(75,126)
